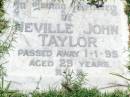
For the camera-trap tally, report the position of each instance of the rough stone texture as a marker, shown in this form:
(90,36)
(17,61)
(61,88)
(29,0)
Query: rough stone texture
(107,52)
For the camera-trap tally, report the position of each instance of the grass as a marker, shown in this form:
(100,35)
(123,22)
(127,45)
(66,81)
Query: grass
(80,93)
(54,93)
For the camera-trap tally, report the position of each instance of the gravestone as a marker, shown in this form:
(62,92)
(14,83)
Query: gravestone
(53,36)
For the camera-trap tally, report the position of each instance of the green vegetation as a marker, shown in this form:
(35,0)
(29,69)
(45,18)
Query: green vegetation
(3,22)
(128,9)
(80,93)
(4,44)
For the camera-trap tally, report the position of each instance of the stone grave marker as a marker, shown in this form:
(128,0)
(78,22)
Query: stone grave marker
(53,36)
